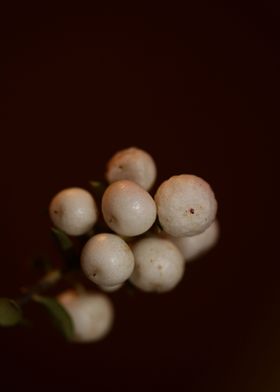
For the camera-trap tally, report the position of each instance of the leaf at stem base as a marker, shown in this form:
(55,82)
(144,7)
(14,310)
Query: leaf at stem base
(10,313)
(59,315)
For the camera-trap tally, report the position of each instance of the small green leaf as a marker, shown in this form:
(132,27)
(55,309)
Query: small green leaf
(66,247)
(62,239)
(10,313)
(98,187)
(158,227)
(59,315)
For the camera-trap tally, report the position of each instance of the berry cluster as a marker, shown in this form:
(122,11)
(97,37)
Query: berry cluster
(147,240)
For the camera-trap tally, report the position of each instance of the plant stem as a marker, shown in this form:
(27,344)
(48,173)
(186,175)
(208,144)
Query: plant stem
(48,281)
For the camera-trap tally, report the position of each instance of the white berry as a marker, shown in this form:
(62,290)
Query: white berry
(74,211)
(186,205)
(159,265)
(127,208)
(195,246)
(111,289)
(92,315)
(132,164)
(107,260)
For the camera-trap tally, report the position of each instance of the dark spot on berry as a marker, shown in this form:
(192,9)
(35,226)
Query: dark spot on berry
(111,219)
(55,212)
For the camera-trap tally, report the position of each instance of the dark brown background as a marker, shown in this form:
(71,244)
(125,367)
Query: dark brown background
(197,88)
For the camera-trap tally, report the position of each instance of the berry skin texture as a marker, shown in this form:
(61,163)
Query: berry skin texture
(128,209)
(92,315)
(107,260)
(132,164)
(186,205)
(195,246)
(74,211)
(159,265)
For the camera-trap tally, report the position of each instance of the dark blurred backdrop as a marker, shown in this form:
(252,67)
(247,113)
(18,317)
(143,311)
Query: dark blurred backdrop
(197,88)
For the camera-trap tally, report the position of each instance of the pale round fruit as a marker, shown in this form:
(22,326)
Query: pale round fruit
(195,246)
(74,211)
(128,209)
(111,289)
(92,315)
(107,260)
(186,205)
(159,265)
(132,164)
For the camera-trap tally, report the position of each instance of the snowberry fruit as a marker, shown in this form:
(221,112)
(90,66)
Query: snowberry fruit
(92,314)
(186,205)
(111,289)
(195,246)
(127,208)
(159,265)
(107,260)
(74,211)
(132,164)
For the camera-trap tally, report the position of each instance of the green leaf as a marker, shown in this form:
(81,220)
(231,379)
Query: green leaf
(59,315)
(10,313)
(157,228)
(98,187)
(66,247)
(62,239)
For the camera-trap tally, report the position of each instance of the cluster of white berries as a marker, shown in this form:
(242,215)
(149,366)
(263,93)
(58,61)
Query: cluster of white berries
(153,260)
